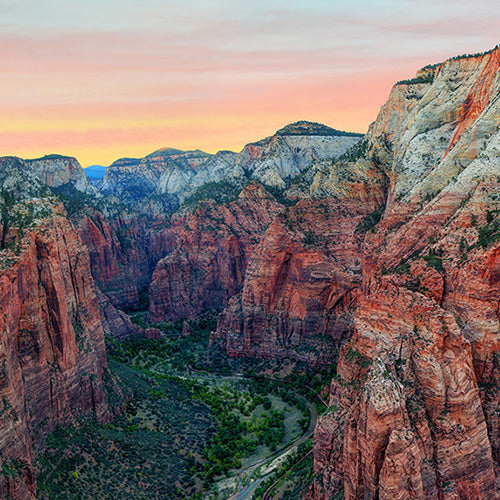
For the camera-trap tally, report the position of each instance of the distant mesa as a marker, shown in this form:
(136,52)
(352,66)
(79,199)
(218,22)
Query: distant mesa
(95,172)
(166,151)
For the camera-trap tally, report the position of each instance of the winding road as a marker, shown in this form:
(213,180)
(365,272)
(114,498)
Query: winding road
(246,492)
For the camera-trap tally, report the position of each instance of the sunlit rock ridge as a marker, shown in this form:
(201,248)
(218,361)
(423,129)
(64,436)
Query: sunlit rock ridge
(169,176)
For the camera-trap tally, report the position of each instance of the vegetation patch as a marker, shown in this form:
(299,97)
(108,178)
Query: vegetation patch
(370,221)
(280,195)
(427,78)
(181,430)
(150,447)
(75,202)
(220,192)
(312,128)
(490,232)
(435,259)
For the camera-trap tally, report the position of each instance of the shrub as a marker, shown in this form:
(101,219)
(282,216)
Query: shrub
(370,221)
(220,192)
(489,234)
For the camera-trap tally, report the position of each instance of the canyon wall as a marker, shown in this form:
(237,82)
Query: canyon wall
(212,245)
(52,353)
(383,258)
(414,409)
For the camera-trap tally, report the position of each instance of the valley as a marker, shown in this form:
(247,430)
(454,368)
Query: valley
(206,434)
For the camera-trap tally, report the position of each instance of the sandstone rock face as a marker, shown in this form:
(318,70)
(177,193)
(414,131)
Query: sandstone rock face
(52,352)
(212,246)
(123,252)
(412,419)
(165,172)
(55,171)
(168,177)
(277,159)
(417,392)
(115,323)
(299,284)
(118,244)
(389,262)
(303,280)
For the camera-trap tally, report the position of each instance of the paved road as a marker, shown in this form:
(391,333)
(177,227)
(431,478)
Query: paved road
(267,494)
(246,493)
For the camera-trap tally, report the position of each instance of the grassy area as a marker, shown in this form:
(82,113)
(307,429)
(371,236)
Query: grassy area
(150,447)
(248,425)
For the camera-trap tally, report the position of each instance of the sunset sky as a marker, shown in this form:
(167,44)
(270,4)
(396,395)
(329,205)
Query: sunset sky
(104,79)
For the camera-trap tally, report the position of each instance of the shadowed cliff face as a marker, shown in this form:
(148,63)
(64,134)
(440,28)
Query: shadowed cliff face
(212,246)
(123,253)
(56,171)
(417,395)
(52,352)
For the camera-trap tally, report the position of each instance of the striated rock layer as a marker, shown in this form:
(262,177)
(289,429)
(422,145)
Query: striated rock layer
(300,286)
(390,262)
(303,279)
(124,250)
(415,407)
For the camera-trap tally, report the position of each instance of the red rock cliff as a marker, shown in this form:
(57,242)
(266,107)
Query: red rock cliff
(212,245)
(52,352)
(303,279)
(415,406)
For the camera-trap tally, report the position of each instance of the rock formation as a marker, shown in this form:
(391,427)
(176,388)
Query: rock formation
(115,323)
(56,171)
(415,405)
(212,245)
(52,352)
(380,254)
(169,176)
(303,280)
(123,252)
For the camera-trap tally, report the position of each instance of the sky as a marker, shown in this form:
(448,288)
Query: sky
(105,79)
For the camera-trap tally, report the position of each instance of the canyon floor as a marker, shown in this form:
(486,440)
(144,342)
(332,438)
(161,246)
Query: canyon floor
(181,407)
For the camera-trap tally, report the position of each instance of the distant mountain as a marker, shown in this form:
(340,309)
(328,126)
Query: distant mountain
(95,172)
(170,176)
(56,171)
